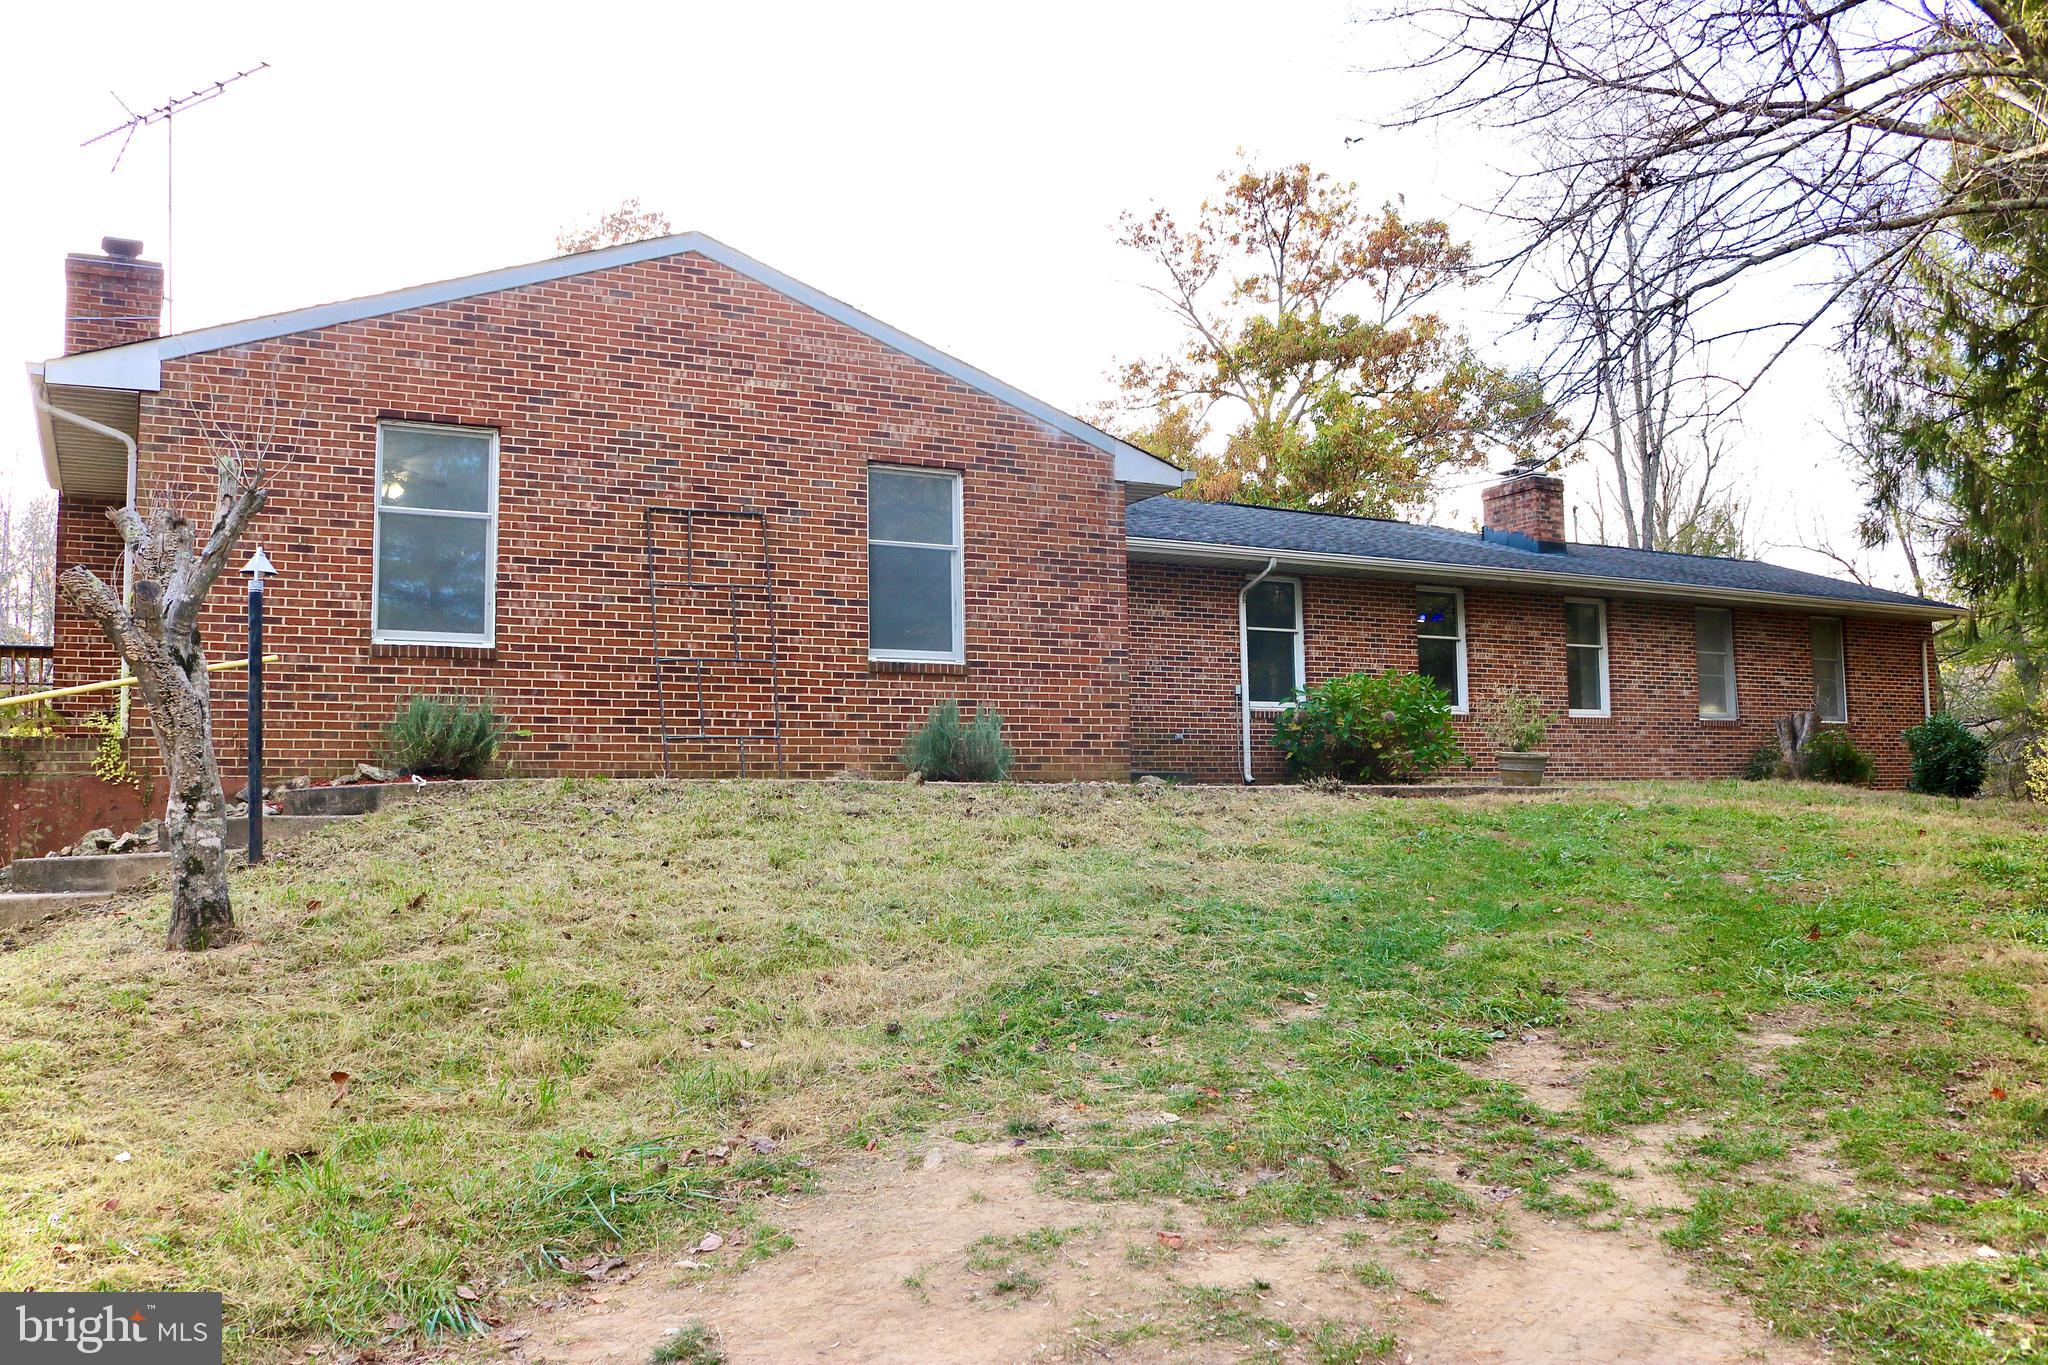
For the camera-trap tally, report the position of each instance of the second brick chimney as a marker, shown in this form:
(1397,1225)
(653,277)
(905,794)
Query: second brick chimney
(1525,509)
(111,299)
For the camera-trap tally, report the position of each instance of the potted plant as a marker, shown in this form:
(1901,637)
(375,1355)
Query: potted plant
(1516,722)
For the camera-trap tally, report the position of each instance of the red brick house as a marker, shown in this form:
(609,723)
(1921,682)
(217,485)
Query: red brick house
(674,510)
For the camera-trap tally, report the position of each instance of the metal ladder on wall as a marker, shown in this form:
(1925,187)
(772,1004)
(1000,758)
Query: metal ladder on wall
(753,665)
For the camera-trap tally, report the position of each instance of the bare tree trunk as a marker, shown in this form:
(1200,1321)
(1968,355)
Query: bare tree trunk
(157,633)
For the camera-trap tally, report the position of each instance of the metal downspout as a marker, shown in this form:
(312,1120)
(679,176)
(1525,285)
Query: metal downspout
(127,553)
(1244,668)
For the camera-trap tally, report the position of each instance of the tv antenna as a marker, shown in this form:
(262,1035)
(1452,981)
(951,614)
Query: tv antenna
(164,113)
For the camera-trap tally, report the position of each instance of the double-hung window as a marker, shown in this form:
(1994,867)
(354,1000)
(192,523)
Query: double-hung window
(436,535)
(915,591)
(1272,642)
(1585,657)
(1714,628)
(1830,670)
(1440,640)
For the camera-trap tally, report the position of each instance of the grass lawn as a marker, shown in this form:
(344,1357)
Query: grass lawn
(581,1014)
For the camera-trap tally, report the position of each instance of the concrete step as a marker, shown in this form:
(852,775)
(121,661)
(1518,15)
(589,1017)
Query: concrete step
(98,873)
(277,828)
(106,873)
(26,907)
(358,799)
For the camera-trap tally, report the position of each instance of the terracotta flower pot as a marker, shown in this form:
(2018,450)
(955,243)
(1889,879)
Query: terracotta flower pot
(1521,770)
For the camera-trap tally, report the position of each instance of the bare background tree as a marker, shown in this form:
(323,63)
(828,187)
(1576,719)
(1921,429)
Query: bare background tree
(28,567)
(157,633)
(1644,380)
(627,223)
(1775,131)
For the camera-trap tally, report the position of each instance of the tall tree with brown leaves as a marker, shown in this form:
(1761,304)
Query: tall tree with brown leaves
(1308,325)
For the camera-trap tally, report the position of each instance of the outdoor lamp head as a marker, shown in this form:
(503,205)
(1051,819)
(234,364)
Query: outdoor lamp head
(258,568)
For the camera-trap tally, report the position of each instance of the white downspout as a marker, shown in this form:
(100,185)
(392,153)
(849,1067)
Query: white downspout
(1244,668)
(100,428)
(127,554)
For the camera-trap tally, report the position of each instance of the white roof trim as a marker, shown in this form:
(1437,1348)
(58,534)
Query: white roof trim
(139,364)
(1147,549)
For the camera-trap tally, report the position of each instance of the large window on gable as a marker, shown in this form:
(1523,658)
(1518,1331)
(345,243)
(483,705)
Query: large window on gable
(1830,670)
(1714,629)
(435,576)
(1272,642)
(1440,640)
(915,590)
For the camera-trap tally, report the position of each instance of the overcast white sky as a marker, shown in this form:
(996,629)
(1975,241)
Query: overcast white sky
(957,170)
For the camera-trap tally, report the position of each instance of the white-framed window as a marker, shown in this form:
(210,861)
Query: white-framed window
(916,592)
(1440,640)
(1270,641)
(1714,631)
(1585,656)
(434,578)
(1830,670)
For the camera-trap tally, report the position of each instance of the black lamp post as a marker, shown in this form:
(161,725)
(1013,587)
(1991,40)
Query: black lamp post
(258,568)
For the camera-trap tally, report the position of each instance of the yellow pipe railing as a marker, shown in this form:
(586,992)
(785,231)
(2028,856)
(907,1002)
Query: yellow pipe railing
(56,692)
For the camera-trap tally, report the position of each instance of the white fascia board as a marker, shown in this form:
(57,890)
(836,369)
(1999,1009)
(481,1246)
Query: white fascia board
(138,365)
(1145,549)
(46,428)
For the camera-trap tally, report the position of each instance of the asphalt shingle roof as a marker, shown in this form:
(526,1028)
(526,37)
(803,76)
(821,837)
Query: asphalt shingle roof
(1275,528)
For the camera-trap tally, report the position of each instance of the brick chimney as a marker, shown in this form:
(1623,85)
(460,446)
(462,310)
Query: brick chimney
(111,299)
(1525,509)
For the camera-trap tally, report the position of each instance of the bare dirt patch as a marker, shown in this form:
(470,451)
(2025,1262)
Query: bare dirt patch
(1541,1066)
(1563,1294)
(958,1256)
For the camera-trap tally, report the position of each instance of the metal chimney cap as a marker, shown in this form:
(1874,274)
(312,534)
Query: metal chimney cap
(121,248)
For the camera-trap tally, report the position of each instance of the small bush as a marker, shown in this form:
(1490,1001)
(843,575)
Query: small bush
(1516,721)
(1831,756)
(1393,727)
(1766,763)
(444,736)
(1948,757)
(946,750)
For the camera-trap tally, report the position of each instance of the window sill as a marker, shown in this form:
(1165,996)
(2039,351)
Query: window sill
(1590,715)
(938,668)
(426,649)
(1719,720)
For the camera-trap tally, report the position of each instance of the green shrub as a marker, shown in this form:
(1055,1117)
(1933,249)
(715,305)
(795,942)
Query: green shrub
(1948,756)
(1766,763)
(1831,756)
(946,750)
(1516,721)
(444,736)
(1393,727)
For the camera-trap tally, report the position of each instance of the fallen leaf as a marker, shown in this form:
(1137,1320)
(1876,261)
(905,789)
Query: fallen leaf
(1392,1170)
(313,907)
(585,1154)
(466,1292)
(417,901)
(341,1080)
(763,1145)
(1171,1240)
(711,1242)
(1997,1092)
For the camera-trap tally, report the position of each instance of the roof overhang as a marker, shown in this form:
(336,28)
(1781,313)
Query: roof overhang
(1144,549)
(138,366)
(77,459)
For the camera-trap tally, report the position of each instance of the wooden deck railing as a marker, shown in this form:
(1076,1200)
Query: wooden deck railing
(26,668)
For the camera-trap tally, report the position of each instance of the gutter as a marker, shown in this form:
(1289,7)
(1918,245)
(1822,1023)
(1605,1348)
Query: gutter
(1244,667)
(1142,548)
(50,410)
